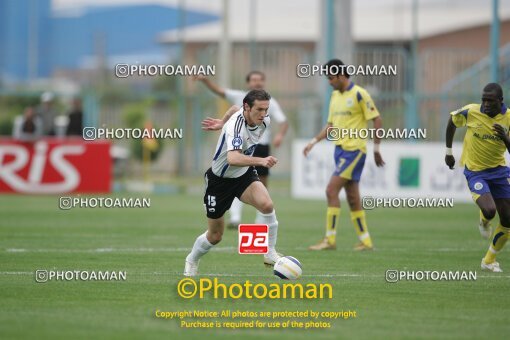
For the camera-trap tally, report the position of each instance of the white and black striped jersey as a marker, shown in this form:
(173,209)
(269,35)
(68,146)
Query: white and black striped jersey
(236,135)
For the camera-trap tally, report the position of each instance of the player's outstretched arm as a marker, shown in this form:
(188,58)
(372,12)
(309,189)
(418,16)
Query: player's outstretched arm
(278,139)
(450,133)
(320,136)
(219,91)
(500,132)
(212,124)
(377,143)
(236,158)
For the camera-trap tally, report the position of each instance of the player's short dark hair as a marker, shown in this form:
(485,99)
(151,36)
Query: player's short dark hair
(248,76)
(254,95)
(494,87)
(335,67)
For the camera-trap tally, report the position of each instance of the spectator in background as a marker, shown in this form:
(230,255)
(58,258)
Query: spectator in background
(75,126)
(46,112)
(27,126)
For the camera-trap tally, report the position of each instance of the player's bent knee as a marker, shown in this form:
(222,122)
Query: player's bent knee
(504,219)
(215,237)
(505,223)
(266,207)
(331,192)
(489,212)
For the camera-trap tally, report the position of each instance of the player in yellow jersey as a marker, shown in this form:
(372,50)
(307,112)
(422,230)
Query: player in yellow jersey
(486,172)
(350,107)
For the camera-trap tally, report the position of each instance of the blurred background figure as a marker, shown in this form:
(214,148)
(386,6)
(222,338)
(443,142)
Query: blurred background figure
(47,113)
(27,126)
(75,125)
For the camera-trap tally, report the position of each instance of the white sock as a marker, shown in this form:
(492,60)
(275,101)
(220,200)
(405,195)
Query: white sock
(236,210)
(259,218)
(200,248)
(270,220)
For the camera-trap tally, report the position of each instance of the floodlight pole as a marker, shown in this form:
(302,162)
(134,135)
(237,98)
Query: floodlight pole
(33,41)
(329,30)
(494,53)
(225,48)
(181,99)
(336,41)
(253,32)
(412,114)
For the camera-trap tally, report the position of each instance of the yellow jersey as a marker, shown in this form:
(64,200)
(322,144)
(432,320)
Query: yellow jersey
(482,148)
(351,109)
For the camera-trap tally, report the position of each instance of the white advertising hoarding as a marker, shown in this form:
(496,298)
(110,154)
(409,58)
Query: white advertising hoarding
(413,170)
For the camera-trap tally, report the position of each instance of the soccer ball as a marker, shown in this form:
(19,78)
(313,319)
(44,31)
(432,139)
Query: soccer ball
(288,268)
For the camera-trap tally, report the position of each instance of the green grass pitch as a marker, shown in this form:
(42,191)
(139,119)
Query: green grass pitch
(150,244)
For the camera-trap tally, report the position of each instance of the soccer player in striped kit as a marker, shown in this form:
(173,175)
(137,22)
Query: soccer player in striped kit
(255,80)
(232,175)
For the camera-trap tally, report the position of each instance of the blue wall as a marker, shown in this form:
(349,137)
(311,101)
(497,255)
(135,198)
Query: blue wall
(65,41)
(18,19)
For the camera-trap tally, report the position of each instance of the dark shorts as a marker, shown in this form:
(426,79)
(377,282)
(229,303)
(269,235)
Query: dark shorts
(349,164)
(221,191)
(262,151)
(495,180)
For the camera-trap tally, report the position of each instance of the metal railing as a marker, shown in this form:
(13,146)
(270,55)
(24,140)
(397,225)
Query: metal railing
(447,79)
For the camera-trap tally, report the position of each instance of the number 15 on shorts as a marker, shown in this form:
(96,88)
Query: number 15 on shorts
(253,238)
(211,203)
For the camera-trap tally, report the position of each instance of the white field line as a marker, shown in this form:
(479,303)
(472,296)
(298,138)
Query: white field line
(185,249)
(178,274)
(398,250)
(110,250)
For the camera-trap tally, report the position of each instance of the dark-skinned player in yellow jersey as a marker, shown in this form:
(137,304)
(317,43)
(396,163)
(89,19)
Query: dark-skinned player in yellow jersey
(483,156)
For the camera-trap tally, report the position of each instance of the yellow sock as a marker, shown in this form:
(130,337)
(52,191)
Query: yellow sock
(360,225)
(498,242)
(332,219)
